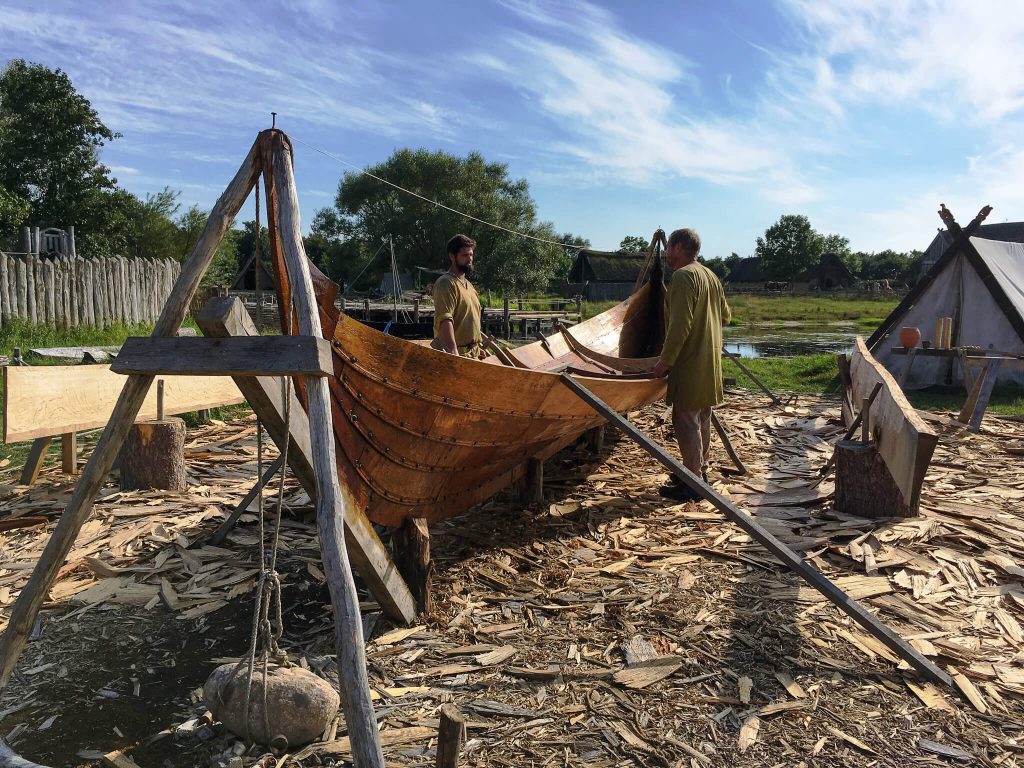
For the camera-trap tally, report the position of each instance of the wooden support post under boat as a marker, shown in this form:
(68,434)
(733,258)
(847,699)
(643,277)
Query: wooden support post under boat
(226,316)
(793,561)
(34,462)
(595,438)
(331,504)
(31,598)
(531,485)
(451,733)
(411,544)
(226,527)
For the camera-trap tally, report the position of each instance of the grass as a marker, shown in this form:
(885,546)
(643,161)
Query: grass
(818,375)
(813,310)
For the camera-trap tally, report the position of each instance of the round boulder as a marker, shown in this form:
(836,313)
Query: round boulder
(300,705)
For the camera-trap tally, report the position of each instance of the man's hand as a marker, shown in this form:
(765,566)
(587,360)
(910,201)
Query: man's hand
(661,370)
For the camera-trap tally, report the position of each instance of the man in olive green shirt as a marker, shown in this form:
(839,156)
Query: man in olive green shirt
(456,303)
(692,354)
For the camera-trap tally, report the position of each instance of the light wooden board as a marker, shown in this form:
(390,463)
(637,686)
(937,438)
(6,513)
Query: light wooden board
(53,400)
(904,441)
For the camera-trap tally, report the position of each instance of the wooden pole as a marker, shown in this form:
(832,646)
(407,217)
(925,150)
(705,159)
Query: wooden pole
(22,288)
(865,420)
(753,378)
(5,288)
(30,288)
(31,598)
(351,658)
(749,525)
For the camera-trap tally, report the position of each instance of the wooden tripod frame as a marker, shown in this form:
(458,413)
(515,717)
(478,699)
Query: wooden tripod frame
(271,156)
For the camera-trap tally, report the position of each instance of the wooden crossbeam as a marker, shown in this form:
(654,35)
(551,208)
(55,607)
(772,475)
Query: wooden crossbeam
(231,356)
(226,316)
(793,561)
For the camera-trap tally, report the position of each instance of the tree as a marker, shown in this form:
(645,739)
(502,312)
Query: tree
(788,247)
(13,212)
(634,244)
(368,211)
(574,241)
(732,260)
(716,265)
(840,246)
(50,137)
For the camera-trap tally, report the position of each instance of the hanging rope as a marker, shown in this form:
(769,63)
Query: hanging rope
(265,636)
(435,203)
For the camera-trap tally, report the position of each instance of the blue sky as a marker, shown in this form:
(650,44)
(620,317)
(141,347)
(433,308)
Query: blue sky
(624,116)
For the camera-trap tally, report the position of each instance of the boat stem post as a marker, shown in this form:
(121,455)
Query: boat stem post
(871,624)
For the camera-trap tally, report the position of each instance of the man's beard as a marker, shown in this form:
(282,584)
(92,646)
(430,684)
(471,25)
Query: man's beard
(466,269)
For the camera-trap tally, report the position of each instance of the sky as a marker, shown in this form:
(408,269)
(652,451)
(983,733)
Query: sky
(623,116)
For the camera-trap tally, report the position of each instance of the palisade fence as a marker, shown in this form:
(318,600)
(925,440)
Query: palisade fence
(71,292)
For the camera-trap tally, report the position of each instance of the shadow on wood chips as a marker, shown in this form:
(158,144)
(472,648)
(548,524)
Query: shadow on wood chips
(601,628)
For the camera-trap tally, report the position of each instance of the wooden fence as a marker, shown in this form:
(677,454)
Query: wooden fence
(69,292)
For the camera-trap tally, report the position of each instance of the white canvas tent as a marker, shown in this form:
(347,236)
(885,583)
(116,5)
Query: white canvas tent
(980,284)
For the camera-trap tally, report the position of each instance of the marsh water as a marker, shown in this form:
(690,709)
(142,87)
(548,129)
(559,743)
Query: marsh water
(788,339)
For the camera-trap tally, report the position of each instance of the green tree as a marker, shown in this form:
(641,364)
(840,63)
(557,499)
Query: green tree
(788,247)
(152,231)
(634,244)
(840,246)
(369,211)
(13,212)
(732,260)
(50,137)
(716,265)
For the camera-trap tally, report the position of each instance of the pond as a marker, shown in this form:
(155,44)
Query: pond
(788,339)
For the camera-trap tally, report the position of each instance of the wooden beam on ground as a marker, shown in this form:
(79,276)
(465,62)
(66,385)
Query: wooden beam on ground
(226,316)
(904,441)
(727,444)
(332,504)
(736,359)
(124,413)
(793,561)
(50,400)
(225,528)
(231,356)
(974,407)
(34,462)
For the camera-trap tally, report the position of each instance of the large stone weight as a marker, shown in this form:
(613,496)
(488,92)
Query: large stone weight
(300,705)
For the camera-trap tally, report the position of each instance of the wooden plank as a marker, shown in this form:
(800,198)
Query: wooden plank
(231,356)
(223,316)
(789,558)
(904,441)
(69,453)
(225,528)
(51,400)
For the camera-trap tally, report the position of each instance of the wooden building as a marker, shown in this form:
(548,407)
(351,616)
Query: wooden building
(604,275)
(829,274)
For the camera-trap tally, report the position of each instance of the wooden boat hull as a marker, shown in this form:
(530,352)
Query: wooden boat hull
(425,434)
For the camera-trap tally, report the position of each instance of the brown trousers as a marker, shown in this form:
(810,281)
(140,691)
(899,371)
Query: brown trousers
(693,433)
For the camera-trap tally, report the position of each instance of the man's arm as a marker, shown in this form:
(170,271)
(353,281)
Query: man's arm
(680,321)
(726,312)
(447,336)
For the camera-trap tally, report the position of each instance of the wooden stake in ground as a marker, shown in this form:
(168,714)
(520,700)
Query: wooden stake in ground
(412,556)
(27,606)
(450,735)
(354,683)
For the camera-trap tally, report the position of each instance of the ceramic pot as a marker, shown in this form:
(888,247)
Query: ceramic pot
(910,337)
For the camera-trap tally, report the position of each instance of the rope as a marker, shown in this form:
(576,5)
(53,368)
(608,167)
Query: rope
(325,153)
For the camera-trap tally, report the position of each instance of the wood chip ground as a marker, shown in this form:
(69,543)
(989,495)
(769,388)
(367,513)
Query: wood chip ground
(605,627)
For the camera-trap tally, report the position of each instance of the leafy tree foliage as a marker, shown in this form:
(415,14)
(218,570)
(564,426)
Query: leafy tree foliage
(891,265)
(788,247)
(367,211)
(634,244)
(50,137)
(716,265)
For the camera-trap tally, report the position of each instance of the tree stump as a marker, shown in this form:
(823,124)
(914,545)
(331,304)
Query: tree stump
(411,545)
(153,456)
(864,486)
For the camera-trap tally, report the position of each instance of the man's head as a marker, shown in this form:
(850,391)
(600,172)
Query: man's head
(683,247)
(460,254)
